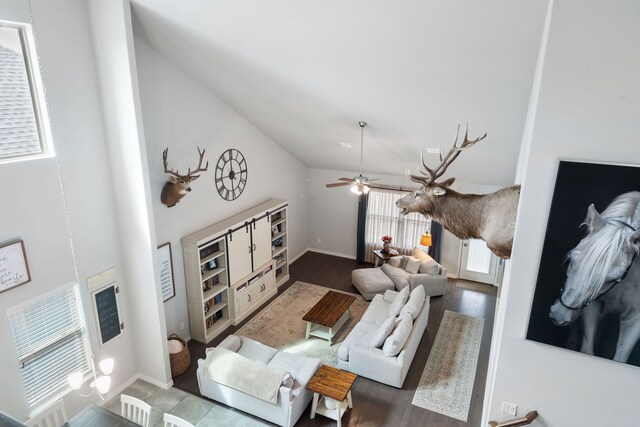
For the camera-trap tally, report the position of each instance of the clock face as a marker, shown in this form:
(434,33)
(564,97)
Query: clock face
(231,174)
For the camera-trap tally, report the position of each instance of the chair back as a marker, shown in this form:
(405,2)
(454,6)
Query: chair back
(52,416)
(135,410)
(173,421)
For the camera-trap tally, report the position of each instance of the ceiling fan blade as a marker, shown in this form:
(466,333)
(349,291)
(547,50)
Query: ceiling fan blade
(376,179)
(338,184)
(345,179)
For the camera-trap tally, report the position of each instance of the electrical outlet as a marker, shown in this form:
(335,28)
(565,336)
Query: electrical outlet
(509,408)
(182,326)
(319,240)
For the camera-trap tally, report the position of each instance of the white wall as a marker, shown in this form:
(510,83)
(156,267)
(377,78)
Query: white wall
(33,207)
(587,109)
(333,214)
(181,114)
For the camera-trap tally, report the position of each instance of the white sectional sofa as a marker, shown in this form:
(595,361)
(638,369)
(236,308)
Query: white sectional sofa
(380,361)
(292,398)
(400,272)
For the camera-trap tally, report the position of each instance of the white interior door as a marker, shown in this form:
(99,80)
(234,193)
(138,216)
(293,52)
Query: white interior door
(477,262)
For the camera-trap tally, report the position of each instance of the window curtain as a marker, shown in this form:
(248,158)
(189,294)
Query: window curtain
(436,238)
(363,201)
(383,219)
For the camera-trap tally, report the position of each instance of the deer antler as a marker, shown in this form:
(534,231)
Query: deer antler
(445,161)
(166,167)
(189,172)
(199,169)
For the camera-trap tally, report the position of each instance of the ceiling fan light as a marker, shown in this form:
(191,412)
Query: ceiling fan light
(365,188)
(356,189)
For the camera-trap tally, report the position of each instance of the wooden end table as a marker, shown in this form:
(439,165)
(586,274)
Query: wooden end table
(382,256)
(325,319)
(336,384)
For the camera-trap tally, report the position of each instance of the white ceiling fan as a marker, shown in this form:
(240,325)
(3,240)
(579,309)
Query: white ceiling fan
(360,183)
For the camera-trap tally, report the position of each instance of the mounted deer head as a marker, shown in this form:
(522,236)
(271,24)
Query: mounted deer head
(490,217)
(178,185)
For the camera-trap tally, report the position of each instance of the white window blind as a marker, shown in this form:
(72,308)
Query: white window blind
(50,339)
(383,218)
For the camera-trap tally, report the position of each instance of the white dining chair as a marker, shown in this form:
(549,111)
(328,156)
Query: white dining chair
(173,421)
(52,416)
(135,410)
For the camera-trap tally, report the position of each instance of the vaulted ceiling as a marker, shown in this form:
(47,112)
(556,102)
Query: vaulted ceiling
(305,72)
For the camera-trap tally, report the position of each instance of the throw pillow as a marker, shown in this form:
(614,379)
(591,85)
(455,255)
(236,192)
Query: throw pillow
(401,299)
(395,342)
(287,381)
(395,261)
(429,267)
(232,343)
(414,305)
(413,265)
(383,332)
(404,261)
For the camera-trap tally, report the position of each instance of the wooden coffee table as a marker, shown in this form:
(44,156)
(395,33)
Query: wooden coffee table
(336,384)
(325,319)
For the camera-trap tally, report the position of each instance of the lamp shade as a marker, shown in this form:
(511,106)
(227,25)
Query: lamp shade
(103,384)
(75,380)
(426,239)
(106,366)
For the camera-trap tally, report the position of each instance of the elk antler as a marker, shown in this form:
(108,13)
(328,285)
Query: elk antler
(189,173)
(445,161)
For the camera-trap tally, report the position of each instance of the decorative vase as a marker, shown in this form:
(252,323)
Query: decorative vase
(386,247)
(330,403)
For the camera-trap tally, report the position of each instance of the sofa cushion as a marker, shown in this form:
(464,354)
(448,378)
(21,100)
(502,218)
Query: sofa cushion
(360,335)
(395,261)
(413,265)
(377,312)
(420,254)
(401,299)
(404,261)
(429,267)
(398,276)
(232,343)
(383,332)
(394,343)
(371,281)
(256,351)
(415,302)
(289,362)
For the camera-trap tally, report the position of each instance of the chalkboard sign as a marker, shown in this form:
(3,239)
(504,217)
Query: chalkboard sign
(107,312)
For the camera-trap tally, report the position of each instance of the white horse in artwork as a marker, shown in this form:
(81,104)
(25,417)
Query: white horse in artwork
(603,276)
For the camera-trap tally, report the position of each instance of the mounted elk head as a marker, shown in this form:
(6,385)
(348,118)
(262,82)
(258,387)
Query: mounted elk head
(178,185)
(490,217)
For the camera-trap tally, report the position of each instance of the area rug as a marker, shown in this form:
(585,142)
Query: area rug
(280,324)
(447,380)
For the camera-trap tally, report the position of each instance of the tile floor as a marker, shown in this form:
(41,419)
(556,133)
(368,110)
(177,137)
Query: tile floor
(197,411)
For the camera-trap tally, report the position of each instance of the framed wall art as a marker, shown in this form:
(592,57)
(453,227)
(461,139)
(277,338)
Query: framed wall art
(14,268)
(587,295)
(165,272)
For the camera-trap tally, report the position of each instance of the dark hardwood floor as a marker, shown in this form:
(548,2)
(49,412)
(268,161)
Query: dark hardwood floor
(376,404)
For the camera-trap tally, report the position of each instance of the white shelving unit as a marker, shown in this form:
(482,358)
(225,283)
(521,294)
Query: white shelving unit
(221,257)
(279,251)
(207,294)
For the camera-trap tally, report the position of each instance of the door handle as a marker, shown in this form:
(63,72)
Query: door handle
(465,244)
(254,246)
(249,298)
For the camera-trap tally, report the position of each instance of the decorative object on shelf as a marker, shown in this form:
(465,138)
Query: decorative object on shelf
(359,184)
(14,269)
(178,185)
(586,297)
(179,356)
(386,244)
(101,383)
(231,174)
(165,273)
(212,265)
(426,239)
(500,207)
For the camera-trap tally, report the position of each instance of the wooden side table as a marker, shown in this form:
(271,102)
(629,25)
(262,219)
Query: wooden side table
(336,384)
(382,256)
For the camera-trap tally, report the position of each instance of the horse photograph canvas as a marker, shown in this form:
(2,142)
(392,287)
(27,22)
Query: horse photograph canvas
(587,295)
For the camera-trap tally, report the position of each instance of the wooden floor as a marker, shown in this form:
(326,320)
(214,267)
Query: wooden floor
(376,404)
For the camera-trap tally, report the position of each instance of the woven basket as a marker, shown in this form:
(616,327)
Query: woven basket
(180,361)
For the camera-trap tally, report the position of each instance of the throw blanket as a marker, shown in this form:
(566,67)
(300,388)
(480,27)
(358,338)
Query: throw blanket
(233,370)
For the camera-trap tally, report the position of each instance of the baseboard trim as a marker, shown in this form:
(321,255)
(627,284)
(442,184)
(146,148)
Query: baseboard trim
(338,254)
(138,376)
(294,259)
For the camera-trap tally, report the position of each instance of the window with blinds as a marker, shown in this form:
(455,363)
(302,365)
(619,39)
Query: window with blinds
(24,131)
(49,335)
(384,219)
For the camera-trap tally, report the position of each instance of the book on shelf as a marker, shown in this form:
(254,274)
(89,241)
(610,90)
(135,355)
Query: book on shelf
(217,299)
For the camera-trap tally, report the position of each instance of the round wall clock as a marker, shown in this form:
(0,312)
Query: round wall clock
(231,174)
